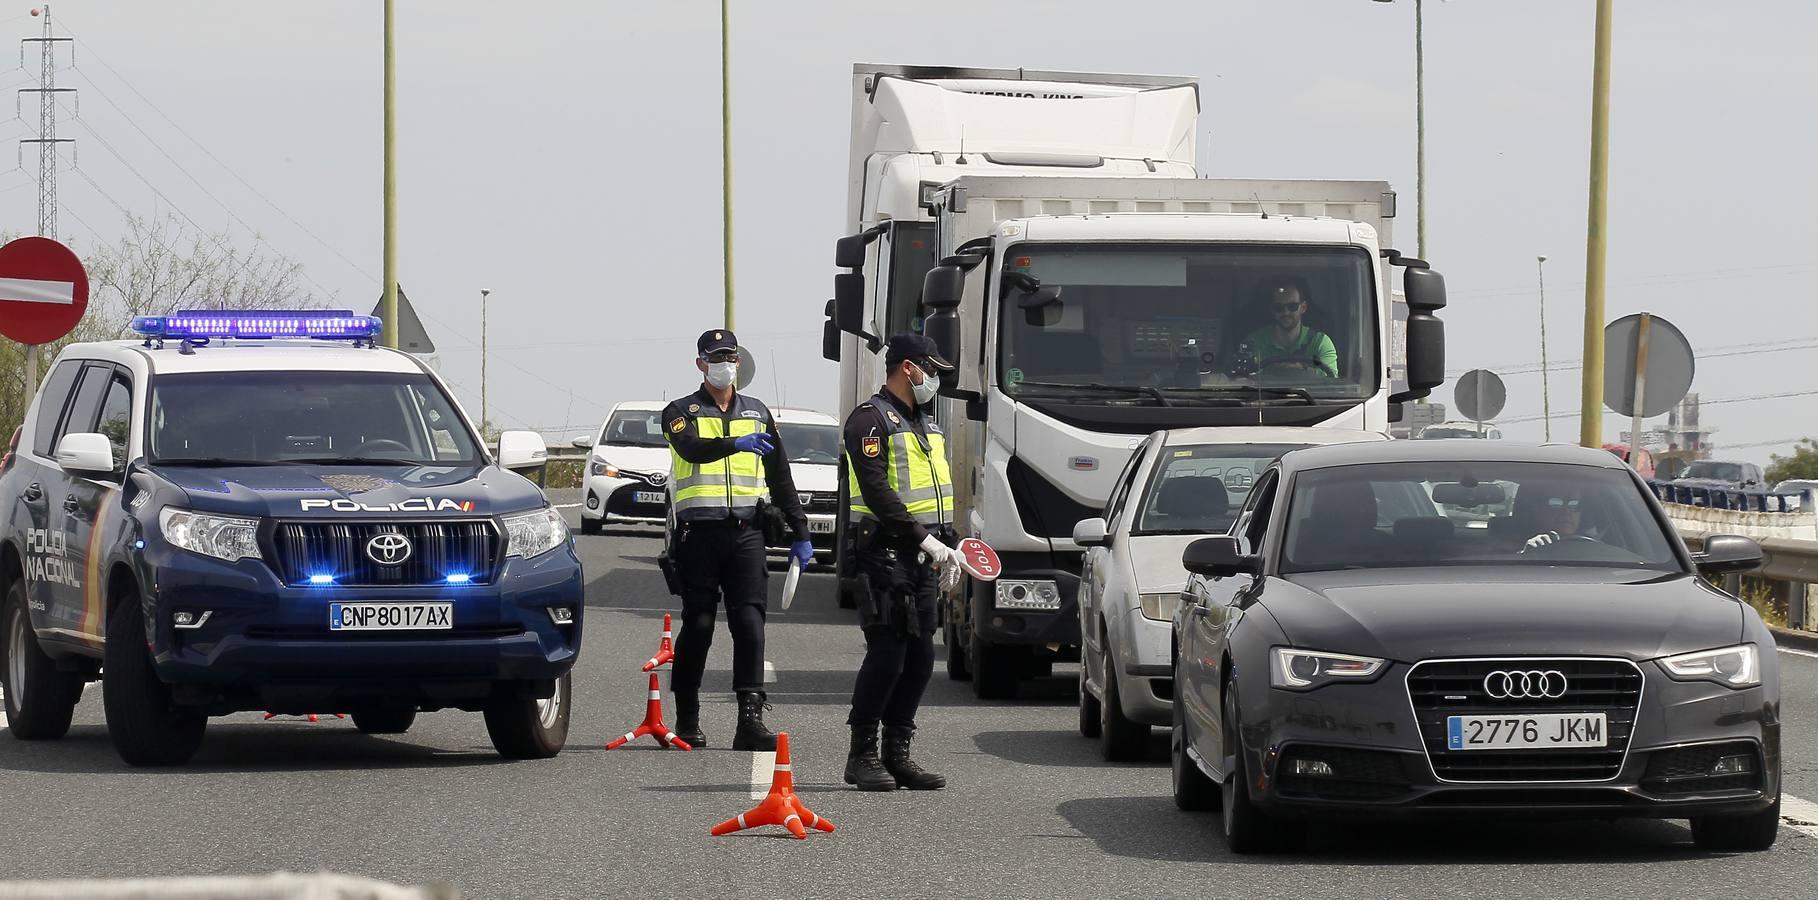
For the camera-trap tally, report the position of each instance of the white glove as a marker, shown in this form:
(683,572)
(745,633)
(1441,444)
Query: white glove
(950,576)
(945,560)
(1541,540)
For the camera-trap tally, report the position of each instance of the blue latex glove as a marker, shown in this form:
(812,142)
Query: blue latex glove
(759,443)
(803,551)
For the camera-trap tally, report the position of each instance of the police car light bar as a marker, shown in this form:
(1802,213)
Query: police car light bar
(327,324)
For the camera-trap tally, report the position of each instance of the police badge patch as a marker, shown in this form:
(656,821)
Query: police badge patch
(694,407)
(678,424)
(893,419)
(873,446)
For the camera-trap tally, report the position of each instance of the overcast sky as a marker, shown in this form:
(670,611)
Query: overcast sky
(565,155)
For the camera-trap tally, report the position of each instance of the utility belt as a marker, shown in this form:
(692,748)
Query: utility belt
(766,512)
(888,576)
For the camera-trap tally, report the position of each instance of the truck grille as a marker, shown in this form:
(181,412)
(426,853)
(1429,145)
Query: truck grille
(338,549)
(1455,687)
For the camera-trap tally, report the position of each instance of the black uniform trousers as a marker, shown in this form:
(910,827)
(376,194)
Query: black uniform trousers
(898,619)
(720,560)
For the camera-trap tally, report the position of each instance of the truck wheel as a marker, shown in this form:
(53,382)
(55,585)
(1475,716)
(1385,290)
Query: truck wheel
(995,669)
(385,719)
(39,699)
(1748,833)
(1088,704)
(146,727)
(524,727)
(1121,739)
(956,652)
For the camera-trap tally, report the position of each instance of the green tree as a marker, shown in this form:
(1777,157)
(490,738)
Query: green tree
(158,266)
(1802,464)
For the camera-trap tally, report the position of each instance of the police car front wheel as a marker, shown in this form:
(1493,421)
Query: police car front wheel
(39,699)
(524,727)
(147,728)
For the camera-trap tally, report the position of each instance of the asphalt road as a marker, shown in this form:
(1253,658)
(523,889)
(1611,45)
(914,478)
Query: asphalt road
(1032,811)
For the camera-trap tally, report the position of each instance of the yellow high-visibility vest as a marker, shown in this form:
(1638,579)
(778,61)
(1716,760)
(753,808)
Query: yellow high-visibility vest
(707,491)
(917,467)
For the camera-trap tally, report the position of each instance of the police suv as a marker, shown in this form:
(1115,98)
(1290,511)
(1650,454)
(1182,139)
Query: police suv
(264,511)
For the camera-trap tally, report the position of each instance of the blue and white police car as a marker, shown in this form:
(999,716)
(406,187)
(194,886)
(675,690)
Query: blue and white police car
(264,511)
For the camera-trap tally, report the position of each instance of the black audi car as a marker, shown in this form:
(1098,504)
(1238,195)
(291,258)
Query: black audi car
(1416,628)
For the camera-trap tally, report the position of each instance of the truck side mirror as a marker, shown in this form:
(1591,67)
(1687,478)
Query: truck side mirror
(942,287)
(830,336)
(1425,290)
(849,302)
(849,251)
(1426,338)
(944,329)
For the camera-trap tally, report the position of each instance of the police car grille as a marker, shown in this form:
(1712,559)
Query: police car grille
(438,549)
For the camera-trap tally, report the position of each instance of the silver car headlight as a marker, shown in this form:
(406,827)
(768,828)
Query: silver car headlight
(534,534)
(1160,606)
(223,537)
(1736,667)
(1304,670)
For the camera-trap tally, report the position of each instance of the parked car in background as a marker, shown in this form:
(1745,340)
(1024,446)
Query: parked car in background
(1802,488)
(812,440)
(627,475)
(1722,474)
(1445,430)
(1643,464)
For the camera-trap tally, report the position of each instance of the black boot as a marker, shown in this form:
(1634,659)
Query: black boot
(901,767)
(863,768)
(688,721)
(752,735)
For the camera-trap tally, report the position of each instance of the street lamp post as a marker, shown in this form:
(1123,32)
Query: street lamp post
(1420,133)
(1590,421)
(1546,403)
(483,294)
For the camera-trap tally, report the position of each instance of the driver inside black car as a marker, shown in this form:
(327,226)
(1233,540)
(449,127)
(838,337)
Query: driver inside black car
(1290,343)
(1556,513)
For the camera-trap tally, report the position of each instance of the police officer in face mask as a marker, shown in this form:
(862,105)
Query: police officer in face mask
(724,451)
(901,519)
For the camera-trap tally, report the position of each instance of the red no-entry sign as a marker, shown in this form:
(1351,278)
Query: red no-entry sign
(43,290)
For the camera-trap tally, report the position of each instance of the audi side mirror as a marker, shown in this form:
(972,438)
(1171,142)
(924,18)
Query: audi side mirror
(1218,557)
(1725,554)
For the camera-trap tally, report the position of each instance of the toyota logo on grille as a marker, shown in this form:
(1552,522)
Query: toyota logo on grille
(659,478)
(1529,685)
(388,549)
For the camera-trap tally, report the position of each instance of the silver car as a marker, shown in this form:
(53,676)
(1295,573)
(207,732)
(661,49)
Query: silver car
(1179,486)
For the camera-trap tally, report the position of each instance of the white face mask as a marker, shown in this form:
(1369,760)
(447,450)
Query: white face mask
(927,390)
(721,374)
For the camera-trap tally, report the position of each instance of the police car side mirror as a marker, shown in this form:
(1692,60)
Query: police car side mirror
(86,453)
(522,450)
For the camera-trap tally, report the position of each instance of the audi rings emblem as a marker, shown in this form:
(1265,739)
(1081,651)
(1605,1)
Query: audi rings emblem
(1529,685)
(388,549)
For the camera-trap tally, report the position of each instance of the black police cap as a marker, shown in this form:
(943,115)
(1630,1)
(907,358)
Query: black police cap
(918,349)
(715,341)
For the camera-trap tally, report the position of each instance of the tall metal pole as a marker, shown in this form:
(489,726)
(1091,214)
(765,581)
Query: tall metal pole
(726,156)
(1420,137)
(47,142)
(1546,393)
(1641,385)
(389,306)
(1590,417)
(483,414)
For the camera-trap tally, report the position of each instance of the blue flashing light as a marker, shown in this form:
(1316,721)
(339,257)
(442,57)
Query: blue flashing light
(459,578)
(321,579)
(139,545)
(326,324)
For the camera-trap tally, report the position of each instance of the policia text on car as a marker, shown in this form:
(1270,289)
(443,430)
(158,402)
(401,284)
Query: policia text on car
(902,514)
(724,451)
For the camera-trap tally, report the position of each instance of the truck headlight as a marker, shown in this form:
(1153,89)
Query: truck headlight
(1035,595)
(1304,670)
(1160,606)
(1731,666)
(534,534)
(223,537)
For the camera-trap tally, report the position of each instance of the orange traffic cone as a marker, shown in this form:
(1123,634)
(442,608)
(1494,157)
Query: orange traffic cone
(781,806)
(652,724)
(665,650)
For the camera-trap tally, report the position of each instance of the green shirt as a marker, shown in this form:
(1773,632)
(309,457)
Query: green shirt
(1312,344)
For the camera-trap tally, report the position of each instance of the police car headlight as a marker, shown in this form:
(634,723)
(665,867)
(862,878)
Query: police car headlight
(534,534)
(222,537)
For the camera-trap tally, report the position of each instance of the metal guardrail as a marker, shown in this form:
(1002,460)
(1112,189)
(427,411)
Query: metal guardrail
(1723,498)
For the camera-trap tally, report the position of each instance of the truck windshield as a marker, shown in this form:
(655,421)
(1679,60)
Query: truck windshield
(254,418)
(1170,324)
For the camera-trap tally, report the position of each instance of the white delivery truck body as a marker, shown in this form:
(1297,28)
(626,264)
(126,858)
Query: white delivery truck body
(1087,308)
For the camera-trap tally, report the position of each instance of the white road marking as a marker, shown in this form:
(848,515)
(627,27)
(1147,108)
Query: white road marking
(567,506)
(1799,815)
(769,673)
(761,764)
(1797,652)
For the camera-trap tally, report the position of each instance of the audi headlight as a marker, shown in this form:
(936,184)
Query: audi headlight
(602,467)
(1304,670)
(223,537)
(1737,666)
(1160,606)
(534,534)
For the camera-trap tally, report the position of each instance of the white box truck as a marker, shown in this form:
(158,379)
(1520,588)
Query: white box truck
(1093,290)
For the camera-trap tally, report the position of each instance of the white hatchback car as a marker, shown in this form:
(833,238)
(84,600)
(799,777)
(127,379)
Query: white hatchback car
(812,440)
(1178,487)
(628,471)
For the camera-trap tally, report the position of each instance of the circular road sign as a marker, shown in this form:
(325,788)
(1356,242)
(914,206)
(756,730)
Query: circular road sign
(1480,395)
(1670,366)
(747,368)
(43,290)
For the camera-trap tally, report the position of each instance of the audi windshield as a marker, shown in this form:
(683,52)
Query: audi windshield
(1188,324)
(1457,513)
(305,417)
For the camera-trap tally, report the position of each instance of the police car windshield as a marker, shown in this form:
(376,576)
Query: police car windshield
(267,418)
(813,444)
